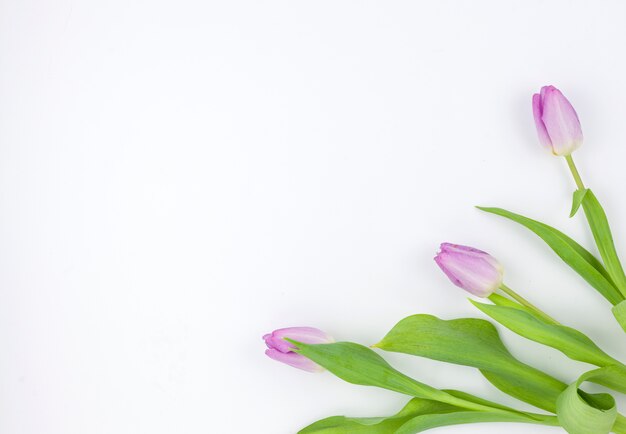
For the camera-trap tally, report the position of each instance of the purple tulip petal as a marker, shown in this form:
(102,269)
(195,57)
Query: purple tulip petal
(294,359)
(471,269)
(556,120)
(306,335)
(282,350)
(561,122)
(544,138)
(278,343)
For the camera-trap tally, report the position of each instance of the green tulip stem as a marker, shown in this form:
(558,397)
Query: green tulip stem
(575,174)
(521,300)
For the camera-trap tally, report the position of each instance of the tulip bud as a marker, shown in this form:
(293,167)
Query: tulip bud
(557,123)
(281,350)
(473,270)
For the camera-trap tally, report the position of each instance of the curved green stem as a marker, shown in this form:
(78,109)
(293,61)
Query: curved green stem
(575,174)
(515,296)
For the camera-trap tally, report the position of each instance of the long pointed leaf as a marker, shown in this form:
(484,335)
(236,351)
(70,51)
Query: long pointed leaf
(428,421)
(572,253)
(599,225)
(358,364)
(577,200)
(417,416)
(571,342)
(476,343)
(377,425)
(619,312)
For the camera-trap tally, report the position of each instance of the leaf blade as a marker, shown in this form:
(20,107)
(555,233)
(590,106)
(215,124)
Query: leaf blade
(360,365)
(572,253)
(418,415)
(569,341)
(377,425)
(599,224)
(582,413)
(577,200)
(476,343)
(619,312)
(429,421)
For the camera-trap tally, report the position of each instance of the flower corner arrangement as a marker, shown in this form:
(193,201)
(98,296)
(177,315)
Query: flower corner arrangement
(559,402)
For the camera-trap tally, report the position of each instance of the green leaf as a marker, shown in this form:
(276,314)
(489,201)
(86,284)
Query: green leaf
(619,311)
(569,341)
(613,377)
(417,416)
(579,195)
(582,413)
(468,397)
(357,364)
(620,424)
(572,253)
(353,425)
(377,425)
(599,225)
(476,343)
(428,421)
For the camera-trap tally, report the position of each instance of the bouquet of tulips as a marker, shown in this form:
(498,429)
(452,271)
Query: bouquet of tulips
(475,342)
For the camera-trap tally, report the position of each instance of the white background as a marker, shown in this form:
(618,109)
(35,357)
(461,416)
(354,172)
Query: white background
(179,178)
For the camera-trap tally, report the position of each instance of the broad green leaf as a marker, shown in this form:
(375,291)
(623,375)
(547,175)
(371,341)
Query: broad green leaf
(468,397)
(572,253)
(577,200)
(619,311)
(533,389)
(377,425)
(357,364)
(569,341)
(476,343)
(428,421)
(599,225)
(353,425)
(417,416)
(582,413)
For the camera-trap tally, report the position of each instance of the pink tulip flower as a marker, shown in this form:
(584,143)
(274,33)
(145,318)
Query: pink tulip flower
(282,350)
(556,120)
(471,269)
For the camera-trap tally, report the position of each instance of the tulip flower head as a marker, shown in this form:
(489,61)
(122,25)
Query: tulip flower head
(556,120)
(471,269)
(282,350)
